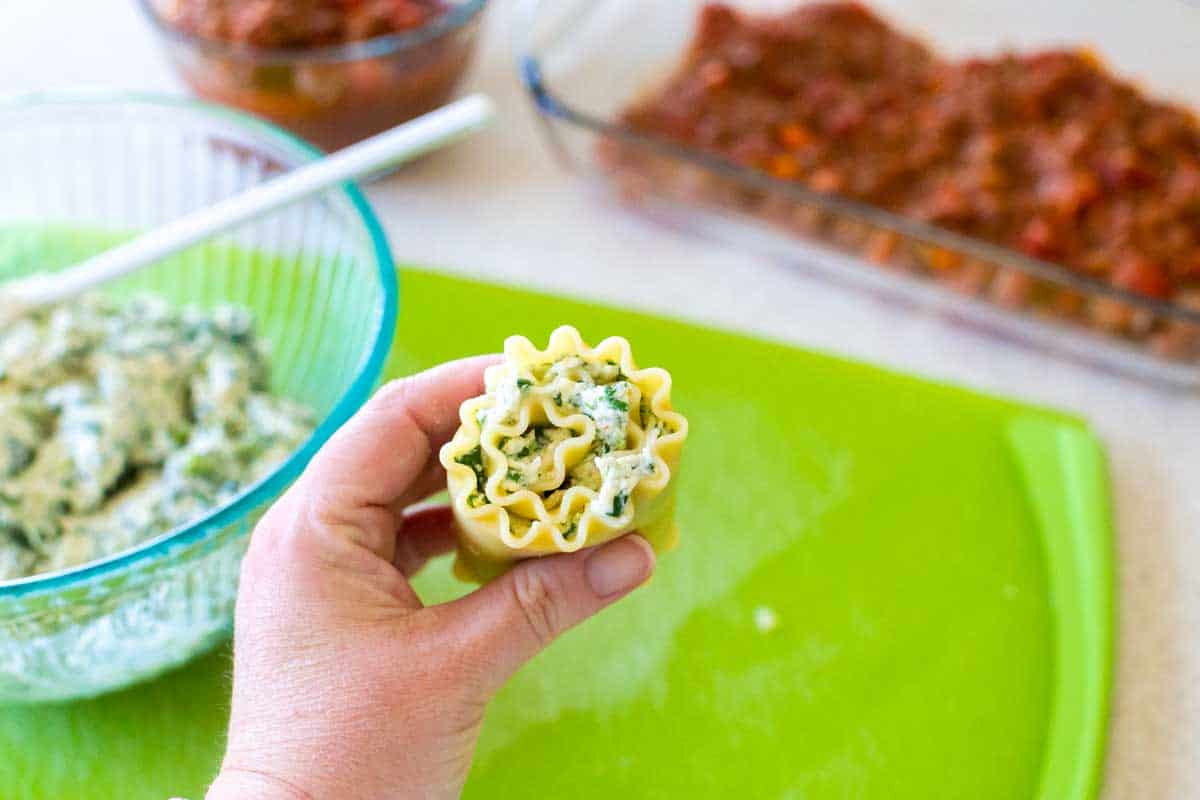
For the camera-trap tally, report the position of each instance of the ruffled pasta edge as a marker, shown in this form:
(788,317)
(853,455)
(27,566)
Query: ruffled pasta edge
(654,383)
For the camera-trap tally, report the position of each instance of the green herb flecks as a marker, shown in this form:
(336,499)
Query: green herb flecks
(473,458)
(18,453)
(618,506)
(610,394)
(204,466)
(541,438)
(571,529)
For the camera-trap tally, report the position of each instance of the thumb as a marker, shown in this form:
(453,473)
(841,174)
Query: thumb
(514,617)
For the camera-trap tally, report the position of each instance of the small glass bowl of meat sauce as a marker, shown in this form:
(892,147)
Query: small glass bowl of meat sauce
(332,71)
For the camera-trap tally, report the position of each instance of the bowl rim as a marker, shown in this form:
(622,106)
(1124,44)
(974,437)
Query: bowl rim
(356,393)
(447,22)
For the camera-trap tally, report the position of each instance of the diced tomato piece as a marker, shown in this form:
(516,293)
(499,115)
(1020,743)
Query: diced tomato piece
(826,180)
(714,75)
(784,166)
(1141,275)
(1039,239)
(882,246)
(794,136)
(1011,288)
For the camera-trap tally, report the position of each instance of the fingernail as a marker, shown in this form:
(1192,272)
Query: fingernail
(619,566)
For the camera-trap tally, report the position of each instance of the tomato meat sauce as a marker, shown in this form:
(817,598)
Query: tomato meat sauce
(1045,153)
(273,58)
(297,23)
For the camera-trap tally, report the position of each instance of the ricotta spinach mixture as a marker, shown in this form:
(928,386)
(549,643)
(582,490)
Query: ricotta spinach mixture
(121,421)
(611,466)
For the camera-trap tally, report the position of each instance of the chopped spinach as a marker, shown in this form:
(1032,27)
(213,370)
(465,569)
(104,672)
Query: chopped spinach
(473,458)
(19,454)
(618,506)
(571,529)
(204,466)
(610,394)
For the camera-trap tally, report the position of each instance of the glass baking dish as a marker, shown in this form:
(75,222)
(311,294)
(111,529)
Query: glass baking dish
(585,61)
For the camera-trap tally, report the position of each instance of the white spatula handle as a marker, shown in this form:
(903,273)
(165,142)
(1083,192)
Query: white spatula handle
(400,144)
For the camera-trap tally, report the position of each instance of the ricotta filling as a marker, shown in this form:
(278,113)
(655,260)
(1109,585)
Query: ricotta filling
(121,422)
(597,390)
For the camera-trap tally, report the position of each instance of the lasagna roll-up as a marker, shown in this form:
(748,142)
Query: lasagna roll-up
(568,448)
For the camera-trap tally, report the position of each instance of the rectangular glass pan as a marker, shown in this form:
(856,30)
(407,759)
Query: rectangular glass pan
(586,61)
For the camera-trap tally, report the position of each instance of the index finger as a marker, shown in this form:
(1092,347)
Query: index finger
(386,452)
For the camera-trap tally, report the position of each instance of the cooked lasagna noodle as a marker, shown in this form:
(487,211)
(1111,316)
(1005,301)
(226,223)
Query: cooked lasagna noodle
(570,447)
(119,422)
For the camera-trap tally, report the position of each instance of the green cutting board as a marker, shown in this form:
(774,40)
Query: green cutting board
(938,563)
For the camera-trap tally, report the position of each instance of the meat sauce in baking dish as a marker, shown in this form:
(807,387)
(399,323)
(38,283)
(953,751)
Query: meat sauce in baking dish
(1046,153)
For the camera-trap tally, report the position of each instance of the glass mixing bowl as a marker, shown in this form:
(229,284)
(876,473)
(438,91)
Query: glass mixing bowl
(337,94)
(83,172)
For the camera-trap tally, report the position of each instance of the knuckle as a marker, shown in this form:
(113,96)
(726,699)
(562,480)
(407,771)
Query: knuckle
(285,539)
(268,539)
(538,596)
(395,390)
(394,396)
(397,404)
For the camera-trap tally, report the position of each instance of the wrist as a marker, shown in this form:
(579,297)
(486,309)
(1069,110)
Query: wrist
(234,783)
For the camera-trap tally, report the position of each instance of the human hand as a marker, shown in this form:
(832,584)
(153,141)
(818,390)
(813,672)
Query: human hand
(344,684)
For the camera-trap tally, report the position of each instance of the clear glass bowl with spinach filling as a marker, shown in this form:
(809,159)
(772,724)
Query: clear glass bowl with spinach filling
(121,420)
(81,174)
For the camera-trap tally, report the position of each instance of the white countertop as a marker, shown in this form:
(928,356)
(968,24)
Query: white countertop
(497,207)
